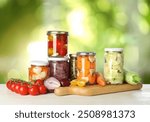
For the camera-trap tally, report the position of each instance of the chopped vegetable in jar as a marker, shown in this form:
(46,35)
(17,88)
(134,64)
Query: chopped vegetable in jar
(38,70)
(72,66)
(86,66)
(59,68)
(57,43)
(113,65)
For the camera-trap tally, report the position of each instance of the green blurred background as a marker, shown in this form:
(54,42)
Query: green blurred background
(92,24)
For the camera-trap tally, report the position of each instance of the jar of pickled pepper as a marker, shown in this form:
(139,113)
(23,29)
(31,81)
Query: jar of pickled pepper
(72,66)
(86,66)
(113,65)
(39,70)
(57,43)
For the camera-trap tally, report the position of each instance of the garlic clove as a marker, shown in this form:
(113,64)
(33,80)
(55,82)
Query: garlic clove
(37,70)
(91,59)
(42,75)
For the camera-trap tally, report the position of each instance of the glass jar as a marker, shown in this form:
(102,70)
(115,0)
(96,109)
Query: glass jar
(86,66)
(72,66)
(57,43)
(38,70)
(59,68)
(113,65)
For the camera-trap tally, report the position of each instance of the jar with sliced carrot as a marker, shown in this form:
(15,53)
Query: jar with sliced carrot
(38,70)
(86,66)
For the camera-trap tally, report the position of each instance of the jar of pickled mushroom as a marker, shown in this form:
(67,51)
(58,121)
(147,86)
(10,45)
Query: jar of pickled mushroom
(59,68)
(57,43)
(86,66)
(72,66)
(113,65)
(38,70)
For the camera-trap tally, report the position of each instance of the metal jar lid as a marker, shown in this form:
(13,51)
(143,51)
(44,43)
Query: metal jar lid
(114,49)
(58,59)
(57,32)
(39,63)
(72,55)
(85,53)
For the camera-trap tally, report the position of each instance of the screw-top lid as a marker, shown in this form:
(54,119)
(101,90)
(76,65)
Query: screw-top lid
(85,53)
(73,55)
(58,59)
(114,49)
(39,63)
(57,32)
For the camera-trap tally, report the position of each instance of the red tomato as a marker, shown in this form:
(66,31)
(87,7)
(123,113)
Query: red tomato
(63,38)
(63,52)
(50,44)
(23,90)
(25,84)
(58,46)
(39,82)
(42,89)
(8,84)
(61,45)
(34,90)
(17,87)
(12,86)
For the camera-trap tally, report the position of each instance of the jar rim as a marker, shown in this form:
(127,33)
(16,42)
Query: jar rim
(86,53)
(114,49)
(39,63)
(57,32)
(58,59)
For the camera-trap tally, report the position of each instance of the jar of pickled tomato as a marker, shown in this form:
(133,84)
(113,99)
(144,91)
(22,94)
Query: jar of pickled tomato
(57,43)
(39,70)
(86,66)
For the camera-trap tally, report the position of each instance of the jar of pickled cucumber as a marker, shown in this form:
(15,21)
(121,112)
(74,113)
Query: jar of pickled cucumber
(57,43)
(113,65)
(72,66)
(39,70)
(86,66)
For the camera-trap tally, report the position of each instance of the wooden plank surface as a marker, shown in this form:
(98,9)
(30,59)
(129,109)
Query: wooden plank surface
(95,89)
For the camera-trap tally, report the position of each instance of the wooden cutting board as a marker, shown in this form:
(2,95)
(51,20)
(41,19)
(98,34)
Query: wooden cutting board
(95,89)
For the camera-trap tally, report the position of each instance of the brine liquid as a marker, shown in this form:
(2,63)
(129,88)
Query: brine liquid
(113,67)
(57,44)
(38,72)
(86,67)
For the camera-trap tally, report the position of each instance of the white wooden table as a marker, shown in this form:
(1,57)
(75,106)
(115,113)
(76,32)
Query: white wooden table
(137,97)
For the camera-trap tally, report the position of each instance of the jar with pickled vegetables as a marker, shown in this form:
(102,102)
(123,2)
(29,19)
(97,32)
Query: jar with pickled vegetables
(86,66)
(59,68)
(113,65)
(38,70)
(72,66)
(57,43)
